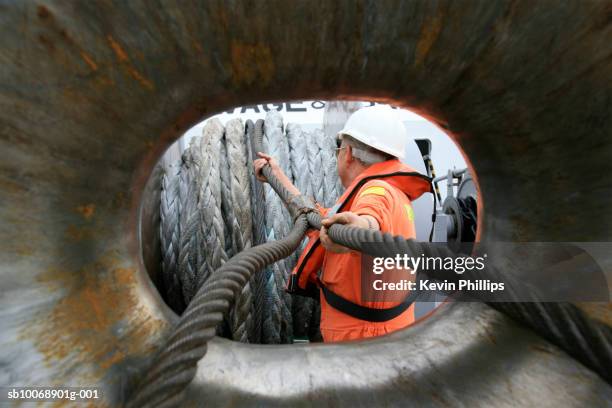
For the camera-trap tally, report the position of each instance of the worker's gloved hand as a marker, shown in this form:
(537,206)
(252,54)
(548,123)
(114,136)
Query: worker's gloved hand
(346,218)
(259,164)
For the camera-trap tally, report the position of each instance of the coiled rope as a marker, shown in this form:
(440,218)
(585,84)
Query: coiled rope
(331,185)
(209,201)
(259,234)
(240,227)
(315,163)
(299,159)
(303,307)
(189,222)
(170,236)
(278,324)
(175,365)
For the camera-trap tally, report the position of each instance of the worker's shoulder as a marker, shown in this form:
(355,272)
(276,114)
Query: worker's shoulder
(376,188)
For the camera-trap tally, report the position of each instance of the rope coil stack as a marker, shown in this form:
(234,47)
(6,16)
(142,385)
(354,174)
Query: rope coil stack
(240,226)
(213,208)
(170,235)
(278,322)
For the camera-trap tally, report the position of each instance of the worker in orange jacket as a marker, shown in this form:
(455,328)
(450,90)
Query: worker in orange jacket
(378,195)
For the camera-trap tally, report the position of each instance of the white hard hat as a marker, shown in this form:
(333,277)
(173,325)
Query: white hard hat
(379,127)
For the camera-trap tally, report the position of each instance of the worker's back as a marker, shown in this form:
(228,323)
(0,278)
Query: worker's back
(342,271)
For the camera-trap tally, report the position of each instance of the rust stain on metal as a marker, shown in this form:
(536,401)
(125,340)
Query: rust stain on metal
(24,251)
(140,78)
(89,61)
(429,33)
(119,52)
(197,46)
(10,186)
(46,42)
(86,324)
(123,58)
(120,201)
(43,12)
(600,311)
(521,226)
(75,233)
(251,63)
(87,210)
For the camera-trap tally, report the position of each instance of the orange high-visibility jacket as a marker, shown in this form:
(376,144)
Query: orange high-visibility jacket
(383,191)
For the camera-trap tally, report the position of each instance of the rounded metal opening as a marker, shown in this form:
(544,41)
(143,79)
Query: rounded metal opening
(90,103)
(429,151)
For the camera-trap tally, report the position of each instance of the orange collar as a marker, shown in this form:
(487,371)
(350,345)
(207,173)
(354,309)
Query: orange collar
(396,173)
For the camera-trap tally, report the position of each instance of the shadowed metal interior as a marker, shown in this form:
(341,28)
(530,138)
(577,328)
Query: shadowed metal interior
(94,92)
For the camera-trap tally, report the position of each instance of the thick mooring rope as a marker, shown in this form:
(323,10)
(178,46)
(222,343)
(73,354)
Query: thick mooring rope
(175,365)
(278,322)
(315,164)
(209,201)
(170,235)
(260,279)
(302,307)
(240,227)
(189,222)
(298,152)
(331,185)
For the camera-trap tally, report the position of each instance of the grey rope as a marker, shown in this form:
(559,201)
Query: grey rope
(189,222)
(273,304)
(175,365)
(335,115)
(227,207)
(330,168)
(303,307)
(209,201)
(260,280)
(298,152)
(315,164)
(170,235)
(277,225)
(227,216)
(241,227)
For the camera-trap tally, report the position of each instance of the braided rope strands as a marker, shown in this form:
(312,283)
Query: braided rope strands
(227,215)
(241,228)
(227,207)
(303,307)
(335,115)
(277,312)
(329,167)
(209,201)
(259,280)
(315,164)
(175,366)
(285,162)
(298,152)
(189,221)
(170,235)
